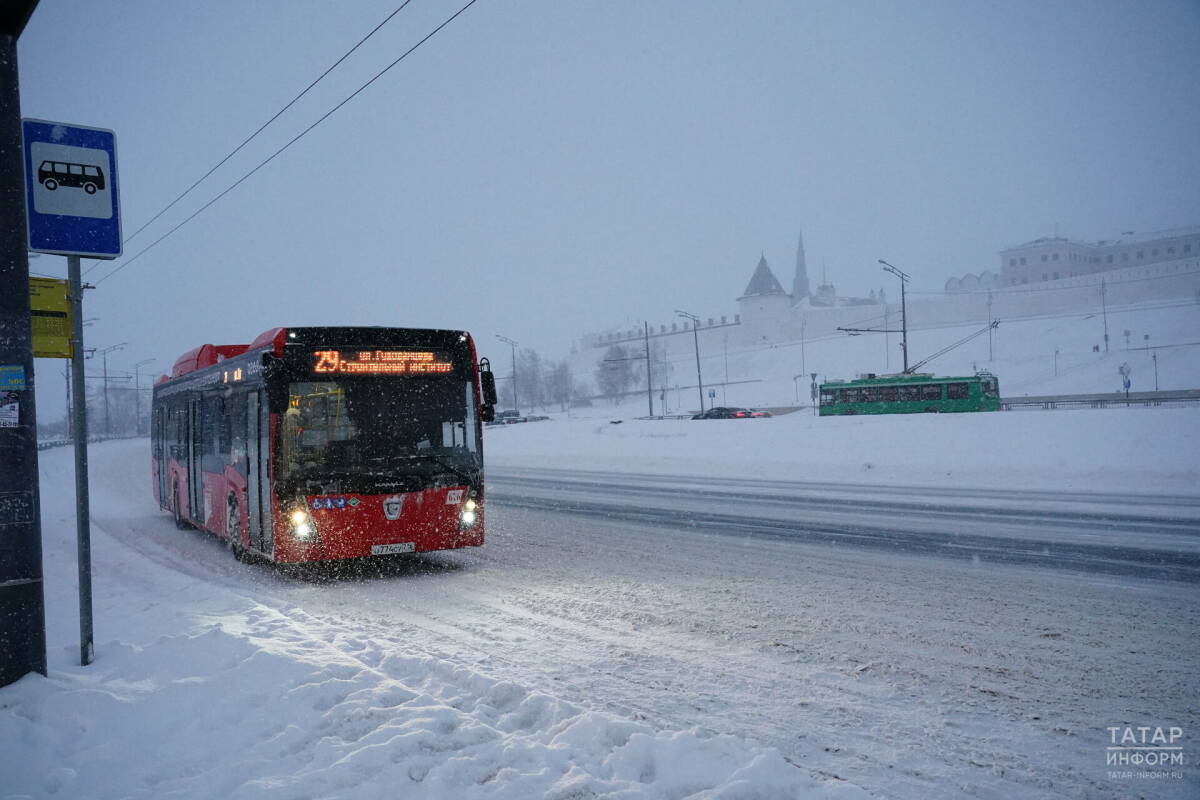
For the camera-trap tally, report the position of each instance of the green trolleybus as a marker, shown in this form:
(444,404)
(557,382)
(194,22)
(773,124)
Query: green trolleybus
(910,394)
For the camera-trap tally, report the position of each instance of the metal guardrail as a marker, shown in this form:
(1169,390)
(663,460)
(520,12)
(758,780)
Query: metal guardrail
(1178,397)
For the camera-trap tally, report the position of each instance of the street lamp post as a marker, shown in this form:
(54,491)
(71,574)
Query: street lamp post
(137,395)
(696,338)
(885,329)
(803,326)
(903,309)
(511,343)
(104,353)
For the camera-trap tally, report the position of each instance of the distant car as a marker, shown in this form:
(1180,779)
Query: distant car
(722,412)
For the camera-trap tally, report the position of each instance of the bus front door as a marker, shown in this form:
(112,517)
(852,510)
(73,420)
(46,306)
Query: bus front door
(258,437)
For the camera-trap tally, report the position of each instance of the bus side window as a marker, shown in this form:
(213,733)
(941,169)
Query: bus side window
(224,429)
(931,391)
(870,394)
(237,432)
(179,434)
(909,393)
(957,391)
(888,394)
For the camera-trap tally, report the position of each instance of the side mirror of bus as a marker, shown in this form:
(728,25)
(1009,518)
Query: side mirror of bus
(488,382)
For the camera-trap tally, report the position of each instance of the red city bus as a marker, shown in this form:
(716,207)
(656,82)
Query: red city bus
(314,444)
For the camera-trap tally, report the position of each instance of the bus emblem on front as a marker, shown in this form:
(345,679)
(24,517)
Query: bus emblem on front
(393,505)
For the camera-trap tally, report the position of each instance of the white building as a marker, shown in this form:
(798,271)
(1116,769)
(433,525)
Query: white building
(1058,258)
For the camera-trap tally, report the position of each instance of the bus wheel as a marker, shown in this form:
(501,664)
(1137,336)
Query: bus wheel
(179,521)
(90,188)
(932,410)
(51,184)
(233,528)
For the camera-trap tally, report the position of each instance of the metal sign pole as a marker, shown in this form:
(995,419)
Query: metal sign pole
(79,422)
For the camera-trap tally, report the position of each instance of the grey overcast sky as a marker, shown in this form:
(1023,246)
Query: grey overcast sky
(541,169)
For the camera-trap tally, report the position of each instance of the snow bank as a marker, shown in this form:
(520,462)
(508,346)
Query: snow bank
(223,710)
(1139,450)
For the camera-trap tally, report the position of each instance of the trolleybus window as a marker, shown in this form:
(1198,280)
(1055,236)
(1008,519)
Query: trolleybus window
(957,391)
(931,391)
(909,393)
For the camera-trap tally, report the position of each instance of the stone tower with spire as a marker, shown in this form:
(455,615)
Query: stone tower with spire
(800,279)
(764,304)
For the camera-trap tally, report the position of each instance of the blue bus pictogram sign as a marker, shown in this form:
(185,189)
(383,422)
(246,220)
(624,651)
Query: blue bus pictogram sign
(72,202)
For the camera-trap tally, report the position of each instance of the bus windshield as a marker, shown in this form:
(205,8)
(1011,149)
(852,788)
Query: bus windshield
(379,427)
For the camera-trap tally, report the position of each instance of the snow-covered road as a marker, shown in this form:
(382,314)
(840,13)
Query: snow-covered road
(895,669)
(1142,535)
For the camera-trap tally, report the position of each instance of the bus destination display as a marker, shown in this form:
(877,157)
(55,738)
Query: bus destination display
(379,362)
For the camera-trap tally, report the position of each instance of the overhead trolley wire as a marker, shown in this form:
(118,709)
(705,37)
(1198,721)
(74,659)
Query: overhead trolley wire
(261,128)
(293,140)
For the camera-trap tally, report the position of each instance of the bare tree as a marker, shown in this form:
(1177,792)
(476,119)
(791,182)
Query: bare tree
(558,383)
(614,372)
(529,378)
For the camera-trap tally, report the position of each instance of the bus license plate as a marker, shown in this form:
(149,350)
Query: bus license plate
(388,549)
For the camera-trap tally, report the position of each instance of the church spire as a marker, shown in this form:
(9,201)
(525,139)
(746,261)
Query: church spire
(800,288)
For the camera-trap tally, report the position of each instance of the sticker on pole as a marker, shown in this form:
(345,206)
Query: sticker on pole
(72,202)
(10,409)
(12,377)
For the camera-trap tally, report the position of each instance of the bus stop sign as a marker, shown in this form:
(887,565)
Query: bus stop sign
(72,202)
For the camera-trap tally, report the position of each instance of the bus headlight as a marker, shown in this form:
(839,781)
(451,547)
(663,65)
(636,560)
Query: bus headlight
(468,517)
(469,505)
(302,526)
